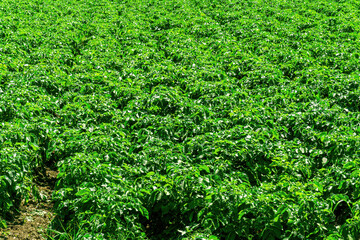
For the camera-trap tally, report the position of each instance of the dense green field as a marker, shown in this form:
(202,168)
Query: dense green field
(184,119)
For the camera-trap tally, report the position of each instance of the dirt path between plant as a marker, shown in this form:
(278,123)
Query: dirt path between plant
(33,218)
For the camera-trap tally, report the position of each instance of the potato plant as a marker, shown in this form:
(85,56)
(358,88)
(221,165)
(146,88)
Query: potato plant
(184,119)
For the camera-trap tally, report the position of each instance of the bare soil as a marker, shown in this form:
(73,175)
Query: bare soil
(33,218)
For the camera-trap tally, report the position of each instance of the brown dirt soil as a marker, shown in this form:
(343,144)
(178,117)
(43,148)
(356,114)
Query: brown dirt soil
(34,217)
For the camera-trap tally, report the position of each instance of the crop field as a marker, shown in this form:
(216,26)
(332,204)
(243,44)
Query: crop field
(181,119)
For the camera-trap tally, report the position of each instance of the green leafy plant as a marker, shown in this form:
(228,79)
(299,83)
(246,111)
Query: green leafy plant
(183,119)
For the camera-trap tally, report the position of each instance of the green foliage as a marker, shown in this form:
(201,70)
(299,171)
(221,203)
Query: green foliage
(184,119)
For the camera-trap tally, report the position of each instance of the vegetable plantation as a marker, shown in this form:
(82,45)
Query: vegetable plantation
(183,119)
